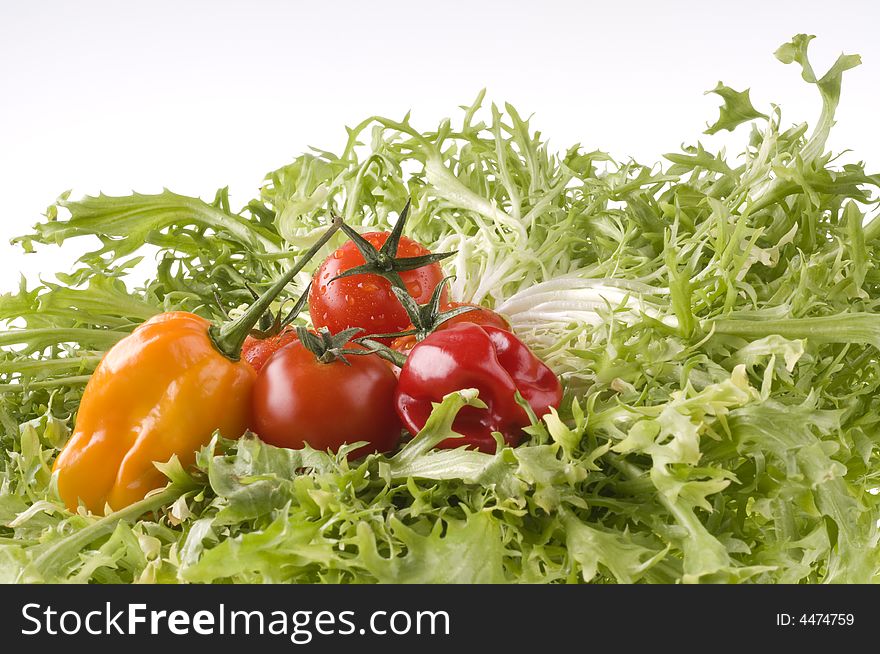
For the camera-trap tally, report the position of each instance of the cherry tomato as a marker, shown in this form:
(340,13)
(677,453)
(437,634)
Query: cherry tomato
(366,301)
(256,351)
(298,400)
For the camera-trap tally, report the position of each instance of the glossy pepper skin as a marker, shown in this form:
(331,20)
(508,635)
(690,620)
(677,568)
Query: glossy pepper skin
(162,390)
(487,358)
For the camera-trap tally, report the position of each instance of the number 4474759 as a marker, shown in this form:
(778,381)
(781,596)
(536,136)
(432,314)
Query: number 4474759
(815,619)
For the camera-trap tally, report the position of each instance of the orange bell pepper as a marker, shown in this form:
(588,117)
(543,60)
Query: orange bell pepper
(163,390)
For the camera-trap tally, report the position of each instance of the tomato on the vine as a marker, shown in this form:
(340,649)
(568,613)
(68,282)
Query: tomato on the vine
(299,399)
(366,300)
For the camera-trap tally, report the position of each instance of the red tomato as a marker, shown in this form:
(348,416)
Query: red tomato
(298,400)
(256,351)
(366,301)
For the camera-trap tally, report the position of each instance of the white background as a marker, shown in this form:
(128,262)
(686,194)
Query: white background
(101,96)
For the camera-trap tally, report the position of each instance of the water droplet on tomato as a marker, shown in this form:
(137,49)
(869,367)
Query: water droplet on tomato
(337,254)
(416,289)
(349,300)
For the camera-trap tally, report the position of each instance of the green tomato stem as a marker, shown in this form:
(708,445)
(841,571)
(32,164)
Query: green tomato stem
(229,338)
(397,358)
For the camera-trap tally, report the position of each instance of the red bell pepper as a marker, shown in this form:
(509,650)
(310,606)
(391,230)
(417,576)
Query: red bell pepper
(493,361)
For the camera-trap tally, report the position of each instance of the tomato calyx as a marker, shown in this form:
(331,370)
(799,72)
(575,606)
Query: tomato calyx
(328,347)
(426,318)
(384,260)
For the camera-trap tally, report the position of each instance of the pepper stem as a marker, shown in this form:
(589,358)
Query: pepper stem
(229,338)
